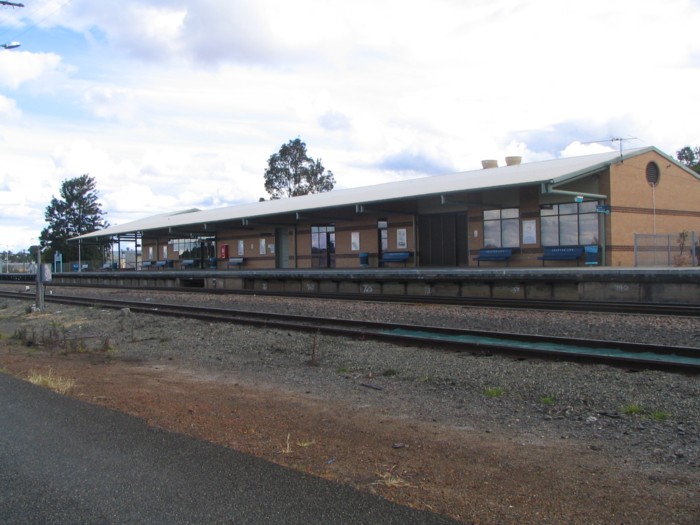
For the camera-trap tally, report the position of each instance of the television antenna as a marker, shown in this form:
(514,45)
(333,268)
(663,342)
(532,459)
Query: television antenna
(11,4)
(620,140)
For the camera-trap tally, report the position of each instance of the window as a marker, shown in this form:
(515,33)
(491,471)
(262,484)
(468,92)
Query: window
(322,238)
(383,228)
(570,224)
(502,228)
(192,248)
(653,174)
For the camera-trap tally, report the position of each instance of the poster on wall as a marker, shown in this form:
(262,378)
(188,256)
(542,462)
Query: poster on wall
(401,239)
(355,241)
(530,232)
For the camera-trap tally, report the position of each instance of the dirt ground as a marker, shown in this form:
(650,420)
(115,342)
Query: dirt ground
(470,476)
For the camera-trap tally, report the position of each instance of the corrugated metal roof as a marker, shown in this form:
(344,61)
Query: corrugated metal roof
(550,171)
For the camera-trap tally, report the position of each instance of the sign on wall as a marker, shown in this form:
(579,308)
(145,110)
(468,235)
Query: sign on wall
(401,242)
(355,241)
(530,232)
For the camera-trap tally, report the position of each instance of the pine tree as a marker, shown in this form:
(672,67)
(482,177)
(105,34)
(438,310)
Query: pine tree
(75,213)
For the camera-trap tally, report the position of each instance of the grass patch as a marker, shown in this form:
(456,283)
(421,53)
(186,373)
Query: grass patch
(548,400)
(633,410)
(637,410)
(389,372)
(387,479)
(343,370)
(62,385)
(494,391)
(659,415)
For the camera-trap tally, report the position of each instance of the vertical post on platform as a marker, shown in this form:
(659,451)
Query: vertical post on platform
(39,281)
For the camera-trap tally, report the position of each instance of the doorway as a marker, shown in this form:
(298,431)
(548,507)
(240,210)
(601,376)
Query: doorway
(323,246)
(444,239)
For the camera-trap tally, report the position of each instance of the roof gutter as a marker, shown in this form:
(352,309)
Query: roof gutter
(549,188)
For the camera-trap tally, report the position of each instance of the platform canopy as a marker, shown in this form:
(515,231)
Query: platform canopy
(549,172)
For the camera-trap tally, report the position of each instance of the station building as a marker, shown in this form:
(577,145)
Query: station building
(562,212)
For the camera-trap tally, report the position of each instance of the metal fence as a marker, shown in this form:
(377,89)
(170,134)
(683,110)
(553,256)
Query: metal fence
(666,249)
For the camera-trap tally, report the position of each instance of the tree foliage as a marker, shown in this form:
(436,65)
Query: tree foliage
(689,157)
(75,213)
(291,172)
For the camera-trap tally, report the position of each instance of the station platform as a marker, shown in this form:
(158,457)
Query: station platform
(649,285)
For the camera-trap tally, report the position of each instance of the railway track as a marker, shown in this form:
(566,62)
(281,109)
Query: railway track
(681,359)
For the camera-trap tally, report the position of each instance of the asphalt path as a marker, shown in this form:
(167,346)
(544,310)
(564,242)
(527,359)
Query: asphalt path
(65,461)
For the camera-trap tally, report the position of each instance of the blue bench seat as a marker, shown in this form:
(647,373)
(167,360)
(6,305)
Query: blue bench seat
(395,257)
(235,261)
(187,263)
(561,253)
(494,254)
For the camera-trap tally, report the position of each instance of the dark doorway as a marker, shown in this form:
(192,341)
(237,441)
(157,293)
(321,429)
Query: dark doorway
(323,246)
(443,239)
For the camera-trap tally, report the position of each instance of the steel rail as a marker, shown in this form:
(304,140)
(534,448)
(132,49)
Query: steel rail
(681,359)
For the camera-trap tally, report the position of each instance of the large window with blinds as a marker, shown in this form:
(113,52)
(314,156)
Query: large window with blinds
(570,224)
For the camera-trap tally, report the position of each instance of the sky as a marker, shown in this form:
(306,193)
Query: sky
(174,104)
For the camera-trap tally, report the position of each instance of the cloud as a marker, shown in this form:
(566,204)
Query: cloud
(107,102)
(334,121)
(17,68)
(182,102)
(8,108)
(415,162)
(559,137)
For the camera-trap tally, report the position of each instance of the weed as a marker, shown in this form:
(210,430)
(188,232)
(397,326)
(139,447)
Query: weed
(633,410)
(305,442)
(389,372)
(548,400)
(288,448)
(389,479)
(659,415)
(106,347)
(493,391)
(637,410)
(20,334)
(62,385)
(343,370)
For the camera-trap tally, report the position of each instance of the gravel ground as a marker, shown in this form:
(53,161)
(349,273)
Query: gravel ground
(533,399)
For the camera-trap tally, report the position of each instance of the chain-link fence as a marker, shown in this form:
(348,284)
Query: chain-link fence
(666,249)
